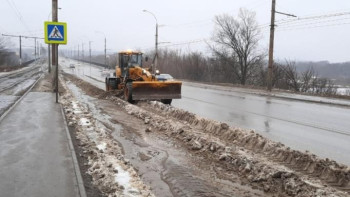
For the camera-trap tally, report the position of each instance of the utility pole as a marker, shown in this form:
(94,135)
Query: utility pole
(271,47)
(36,44)
(105,51)
(90,55)
(156,58)
(35,48)
(105,47)
(272,37)
(20,50)
(20,46)
(54,19)
(82,51)
(49,56)
(78,52)
(55,46)
(90,52)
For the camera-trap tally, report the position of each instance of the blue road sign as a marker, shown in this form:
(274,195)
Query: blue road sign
(55,33)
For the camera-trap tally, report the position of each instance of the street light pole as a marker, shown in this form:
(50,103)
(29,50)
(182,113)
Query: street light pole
(90,52)
(105,50)
(82,51)
(156,42)
(156,59)
(90,55)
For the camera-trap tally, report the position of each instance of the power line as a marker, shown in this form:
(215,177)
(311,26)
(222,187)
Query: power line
(319,17)
(191,24)
(208,39)
(182,43)
(284,25)
(29,32)
(208,21)
(20,46)
(17,13)
(313,27)
(307,20)
(306,23)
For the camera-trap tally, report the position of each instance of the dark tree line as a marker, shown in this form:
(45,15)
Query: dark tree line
(7,58)
(198,67)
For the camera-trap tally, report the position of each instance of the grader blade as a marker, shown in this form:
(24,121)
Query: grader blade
(148,90)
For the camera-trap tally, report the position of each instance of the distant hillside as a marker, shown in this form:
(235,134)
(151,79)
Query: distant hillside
(338,71)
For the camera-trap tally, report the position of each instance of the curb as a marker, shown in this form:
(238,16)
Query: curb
(80,181)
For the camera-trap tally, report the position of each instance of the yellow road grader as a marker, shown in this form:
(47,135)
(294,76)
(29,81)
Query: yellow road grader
(138,83)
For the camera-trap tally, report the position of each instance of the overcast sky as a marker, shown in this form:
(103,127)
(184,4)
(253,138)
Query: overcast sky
(127,27)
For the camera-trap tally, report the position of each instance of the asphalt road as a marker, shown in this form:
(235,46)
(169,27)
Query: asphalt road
(319,128)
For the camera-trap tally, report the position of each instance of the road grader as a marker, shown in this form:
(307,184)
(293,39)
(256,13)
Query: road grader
(138,83)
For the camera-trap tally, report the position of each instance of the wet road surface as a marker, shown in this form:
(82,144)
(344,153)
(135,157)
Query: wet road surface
(35,158)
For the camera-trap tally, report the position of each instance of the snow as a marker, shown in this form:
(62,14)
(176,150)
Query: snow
(102,146)
(124,178)
(85,122)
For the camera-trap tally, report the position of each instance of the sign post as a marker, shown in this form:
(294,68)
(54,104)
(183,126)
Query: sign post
(55,33)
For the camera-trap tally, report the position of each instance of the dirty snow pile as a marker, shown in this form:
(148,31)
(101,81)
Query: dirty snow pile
(265,164)
(111,173)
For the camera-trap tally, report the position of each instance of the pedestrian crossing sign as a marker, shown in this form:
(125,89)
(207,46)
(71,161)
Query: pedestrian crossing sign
(55,33)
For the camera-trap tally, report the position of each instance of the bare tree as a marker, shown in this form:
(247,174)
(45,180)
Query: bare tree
(237,43)
(291,76)
(307,78)
(324,86)
(7,57)
(3,51)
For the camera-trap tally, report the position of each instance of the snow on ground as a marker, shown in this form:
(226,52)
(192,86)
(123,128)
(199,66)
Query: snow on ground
(111,173)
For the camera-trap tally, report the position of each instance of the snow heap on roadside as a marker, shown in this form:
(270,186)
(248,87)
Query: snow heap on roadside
(111,173)
(269,165)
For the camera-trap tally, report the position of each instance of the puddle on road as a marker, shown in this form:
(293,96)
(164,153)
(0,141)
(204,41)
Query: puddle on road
(166,168)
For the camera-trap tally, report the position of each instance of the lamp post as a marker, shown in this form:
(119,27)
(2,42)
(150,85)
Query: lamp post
(105,46)
(156,47)
(90,55)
